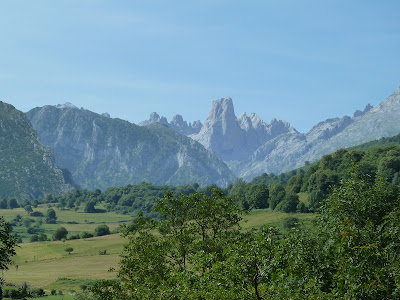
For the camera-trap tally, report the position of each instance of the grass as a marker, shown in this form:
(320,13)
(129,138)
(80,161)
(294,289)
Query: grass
(259,217)
(49,266)
(74,221)
(43,264)
(56,297)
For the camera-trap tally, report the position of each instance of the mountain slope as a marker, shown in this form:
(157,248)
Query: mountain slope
(101,152)
(290,151)
(27,168)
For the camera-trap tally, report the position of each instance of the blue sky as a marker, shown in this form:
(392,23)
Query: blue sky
(299,61)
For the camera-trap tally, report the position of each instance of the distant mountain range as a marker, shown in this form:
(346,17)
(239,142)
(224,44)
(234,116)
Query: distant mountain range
(100,151)
(252,147)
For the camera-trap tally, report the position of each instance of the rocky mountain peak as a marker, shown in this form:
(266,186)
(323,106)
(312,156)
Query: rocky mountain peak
(66,105)
(222,109)
(177,123)
(359,113)
(235,138)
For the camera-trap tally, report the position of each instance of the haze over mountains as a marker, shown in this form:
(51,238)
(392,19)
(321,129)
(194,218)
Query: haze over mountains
(253,147)
(100,151)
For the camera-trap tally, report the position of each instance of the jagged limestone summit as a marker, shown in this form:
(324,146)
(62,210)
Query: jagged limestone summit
(27,168)
(292,150)
(253,147)
(101,151)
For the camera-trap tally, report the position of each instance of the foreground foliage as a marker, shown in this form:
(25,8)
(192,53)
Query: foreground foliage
(196,251)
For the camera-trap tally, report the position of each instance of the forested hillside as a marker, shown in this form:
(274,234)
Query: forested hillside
(317,179)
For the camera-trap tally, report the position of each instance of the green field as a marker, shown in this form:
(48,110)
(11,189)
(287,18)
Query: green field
(74,221)
(49,266)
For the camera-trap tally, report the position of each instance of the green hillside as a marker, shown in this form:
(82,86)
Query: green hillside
(27,169)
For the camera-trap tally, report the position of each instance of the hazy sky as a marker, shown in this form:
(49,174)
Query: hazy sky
(299,61)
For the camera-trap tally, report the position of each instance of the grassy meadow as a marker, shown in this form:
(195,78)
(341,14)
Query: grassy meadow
(49,266)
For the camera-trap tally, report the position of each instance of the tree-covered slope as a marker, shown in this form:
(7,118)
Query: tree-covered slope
(318,178)
(27,168)
(101,152)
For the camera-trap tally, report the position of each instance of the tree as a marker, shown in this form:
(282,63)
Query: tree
(13,203)
(28,209)
(238,193)
(69,250)
(7,245)
(60,233)
(3,204)
(257,195)
(276,194)
(51,217)
(192,238)
(89,207)
(289,203)
(102,230)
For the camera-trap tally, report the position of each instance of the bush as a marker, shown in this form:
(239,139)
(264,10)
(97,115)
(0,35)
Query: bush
(85,235)
(34,238)
(75,237)
(290,222)
(37,214)
(31,230)
(102,230)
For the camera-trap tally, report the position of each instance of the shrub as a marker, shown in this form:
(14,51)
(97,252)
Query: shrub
(102,230)
(86,235)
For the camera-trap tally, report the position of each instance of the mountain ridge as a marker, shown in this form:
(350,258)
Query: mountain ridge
(101,151)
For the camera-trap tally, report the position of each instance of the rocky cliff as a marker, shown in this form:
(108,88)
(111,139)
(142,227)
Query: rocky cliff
(27,168)
(292,150)
(236,138)
(177,123)
(101,152)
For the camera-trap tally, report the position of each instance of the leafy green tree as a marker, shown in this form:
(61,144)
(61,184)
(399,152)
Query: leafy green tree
(276,194)
(7,245)
(13,203)
(89,207)
(289,203)
(102,230)
(192,238)
(3,204)
(257,195)
(238,193)
(28,209)
(60,233)
(51,217)
(69,250)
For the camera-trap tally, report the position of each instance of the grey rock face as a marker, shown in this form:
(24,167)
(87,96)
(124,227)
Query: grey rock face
(177,123)
(101,152)
(27,168)
(236,138)
(291,150)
